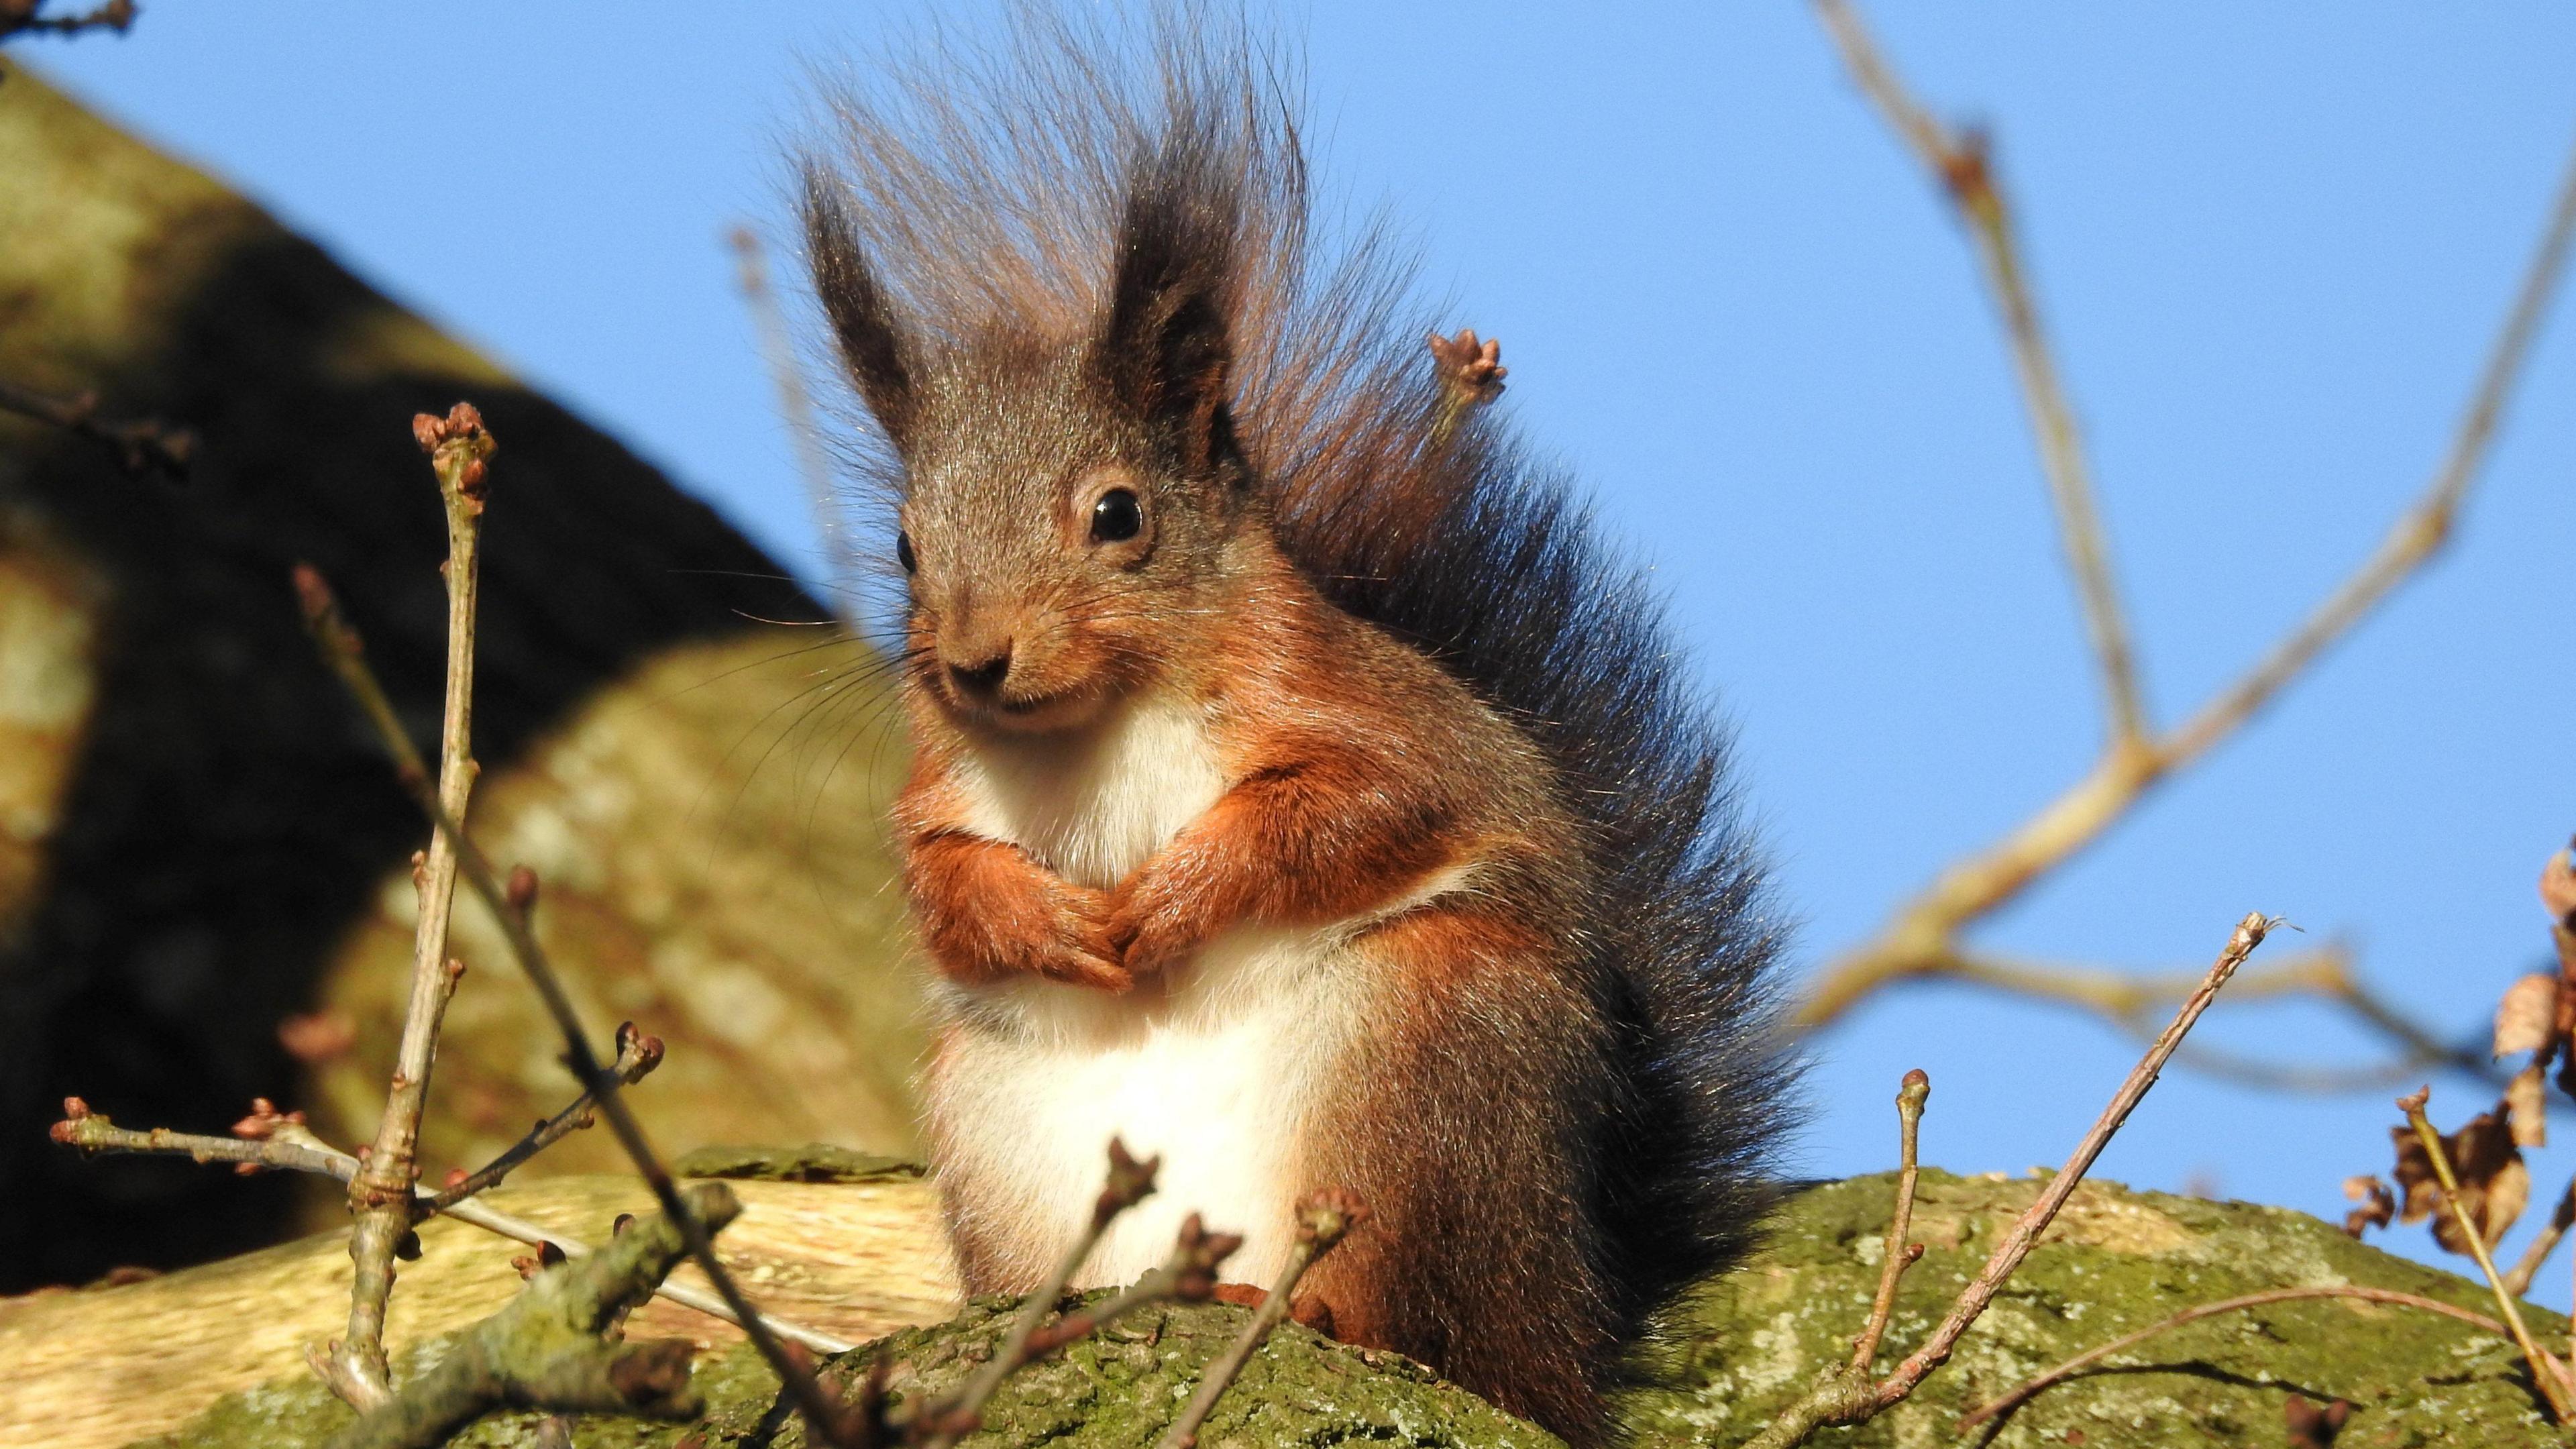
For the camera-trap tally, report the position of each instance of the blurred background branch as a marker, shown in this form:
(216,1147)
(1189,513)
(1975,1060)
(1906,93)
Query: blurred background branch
(1922,939)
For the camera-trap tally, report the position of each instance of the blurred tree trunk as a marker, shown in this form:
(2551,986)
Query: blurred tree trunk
(193,826)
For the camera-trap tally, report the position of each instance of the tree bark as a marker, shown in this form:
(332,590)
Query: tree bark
(192,822)
(867,1259)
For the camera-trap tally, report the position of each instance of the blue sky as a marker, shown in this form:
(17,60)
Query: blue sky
(2273,243)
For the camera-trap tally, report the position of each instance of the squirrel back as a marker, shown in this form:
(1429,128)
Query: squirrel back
(996,204)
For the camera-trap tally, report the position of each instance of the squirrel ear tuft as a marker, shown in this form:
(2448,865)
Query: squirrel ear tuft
(1164,350)
(861,313)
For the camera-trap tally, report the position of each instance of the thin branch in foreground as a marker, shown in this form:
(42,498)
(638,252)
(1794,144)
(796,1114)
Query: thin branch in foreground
(2091,1356)
(1915,938)
(1900,1254)
(1187,1276)
(940,1425)
(1842,1396)
(93,1133)
(2518,1281)
(266,1140)
(144,448)
(637,1056)
(342,648)
(380,1195)
(796,413)
(2547,1373)
(549,1348)
(1323,1220)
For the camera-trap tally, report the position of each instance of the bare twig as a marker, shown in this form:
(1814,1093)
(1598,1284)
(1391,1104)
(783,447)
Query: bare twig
(144,447)
(1961,161)
(380,1195)
(637,1055)
(483,1216)
(1322,1221)
(551,1347)
(2546,1372)
(1130,1182)
(94,1133)
(285,1144)
(796,413)
(1846,1396)
(1900,1254)
(1923,933)
(342,649)
(2130,1003)
(2543,1243)
(2082,1361)
(1187,1276)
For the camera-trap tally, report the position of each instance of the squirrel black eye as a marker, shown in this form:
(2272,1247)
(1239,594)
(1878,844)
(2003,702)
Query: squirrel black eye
(903,551)
(1117,517)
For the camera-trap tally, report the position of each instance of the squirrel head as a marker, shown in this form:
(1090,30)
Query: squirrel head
(1068,506)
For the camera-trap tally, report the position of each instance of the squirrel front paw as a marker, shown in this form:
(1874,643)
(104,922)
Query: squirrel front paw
(996,923)
(1149,931)
(1068,940)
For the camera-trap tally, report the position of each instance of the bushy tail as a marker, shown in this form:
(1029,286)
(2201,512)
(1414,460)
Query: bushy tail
(1494,567)
(990,183)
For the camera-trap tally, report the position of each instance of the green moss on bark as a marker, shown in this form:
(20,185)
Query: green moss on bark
(1118,1388)
(813,1162)
(2116,1261)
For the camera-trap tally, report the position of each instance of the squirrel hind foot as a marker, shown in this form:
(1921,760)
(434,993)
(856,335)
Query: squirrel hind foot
(1308,1309)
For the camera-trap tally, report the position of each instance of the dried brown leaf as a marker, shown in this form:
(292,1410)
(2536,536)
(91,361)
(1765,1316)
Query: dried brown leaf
(2558,888)
(2377,1204)
(2526,1100)
(2494,1184)
(2527,1019)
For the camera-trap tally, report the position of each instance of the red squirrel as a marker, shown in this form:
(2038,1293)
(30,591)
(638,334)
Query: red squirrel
(1301,790)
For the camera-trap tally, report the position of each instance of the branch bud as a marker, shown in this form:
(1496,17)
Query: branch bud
(1324,1217)
(1130,1182)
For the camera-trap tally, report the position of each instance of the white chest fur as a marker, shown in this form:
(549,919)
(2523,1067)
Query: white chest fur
(1212,1068)
(1094,806)
(1215,1077)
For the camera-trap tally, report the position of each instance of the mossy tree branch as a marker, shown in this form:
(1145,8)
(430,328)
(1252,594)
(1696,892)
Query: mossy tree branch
(1847,1393)
(1323,1220)
(551,1347)
(2034,1387)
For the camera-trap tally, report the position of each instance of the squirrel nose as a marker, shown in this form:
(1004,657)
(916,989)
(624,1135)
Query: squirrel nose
(983,676)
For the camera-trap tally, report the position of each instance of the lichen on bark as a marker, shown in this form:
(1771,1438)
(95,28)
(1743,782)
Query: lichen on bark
(1117,1388)
(2115,1261)
(1751,1342)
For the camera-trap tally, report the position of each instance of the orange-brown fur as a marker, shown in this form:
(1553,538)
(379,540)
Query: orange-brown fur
(1292,772)
(1357,769)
